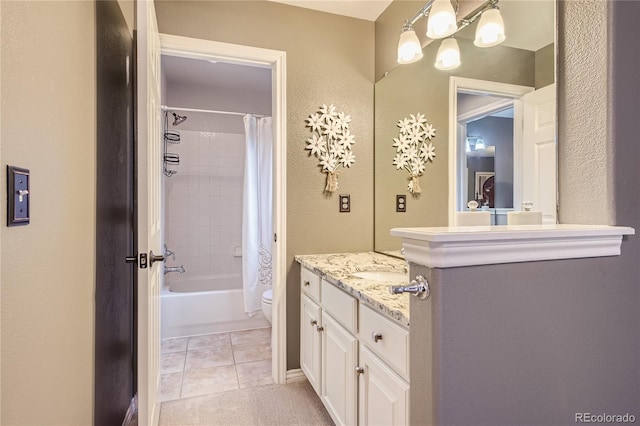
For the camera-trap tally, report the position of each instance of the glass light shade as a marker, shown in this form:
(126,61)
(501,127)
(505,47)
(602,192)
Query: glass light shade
(442,20)
(490,31)
(448,56)
(409,48)
(480,144)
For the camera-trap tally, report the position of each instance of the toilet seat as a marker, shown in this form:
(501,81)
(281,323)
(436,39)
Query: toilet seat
(267,296)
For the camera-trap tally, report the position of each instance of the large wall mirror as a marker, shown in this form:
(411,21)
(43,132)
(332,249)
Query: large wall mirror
(480,111)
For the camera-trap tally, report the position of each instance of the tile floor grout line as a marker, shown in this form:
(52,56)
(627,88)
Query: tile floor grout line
(235,364)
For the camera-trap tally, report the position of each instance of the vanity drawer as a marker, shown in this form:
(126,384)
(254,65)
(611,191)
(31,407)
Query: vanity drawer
(342,306)
(392,344)
(310,283)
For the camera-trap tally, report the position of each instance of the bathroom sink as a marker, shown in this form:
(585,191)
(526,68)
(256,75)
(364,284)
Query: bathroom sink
(381,276)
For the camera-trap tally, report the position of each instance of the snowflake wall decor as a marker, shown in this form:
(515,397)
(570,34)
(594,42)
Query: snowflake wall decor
(413,151)
(331,142)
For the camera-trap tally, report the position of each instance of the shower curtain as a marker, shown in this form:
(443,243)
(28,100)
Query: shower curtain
(257,211)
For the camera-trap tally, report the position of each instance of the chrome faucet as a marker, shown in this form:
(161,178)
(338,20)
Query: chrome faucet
(179,269)
(168,253)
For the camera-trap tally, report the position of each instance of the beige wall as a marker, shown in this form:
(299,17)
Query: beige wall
(582,91)
(330,59)
(48,126)
(545,66)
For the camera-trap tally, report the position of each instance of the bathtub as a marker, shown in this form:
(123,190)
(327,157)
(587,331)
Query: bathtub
(203,305)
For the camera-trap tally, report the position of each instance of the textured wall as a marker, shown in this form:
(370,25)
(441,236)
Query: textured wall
(49,126)
(528,343)
(330,59)
(584,179)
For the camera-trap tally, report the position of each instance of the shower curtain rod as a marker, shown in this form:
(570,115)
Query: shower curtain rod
(210,111)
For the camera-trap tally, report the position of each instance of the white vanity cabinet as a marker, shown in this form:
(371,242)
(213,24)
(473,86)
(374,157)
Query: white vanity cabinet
(339,359)
(310,329)
(310,341)
(355,358)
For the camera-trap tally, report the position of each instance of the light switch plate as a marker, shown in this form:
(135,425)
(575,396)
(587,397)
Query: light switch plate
(345,203)
(401,203)
(18,196)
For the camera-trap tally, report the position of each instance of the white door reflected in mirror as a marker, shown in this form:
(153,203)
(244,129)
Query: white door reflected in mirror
(502,149)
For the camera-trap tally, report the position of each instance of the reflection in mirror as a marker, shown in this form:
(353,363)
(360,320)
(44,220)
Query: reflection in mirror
(488,151)
(525,59)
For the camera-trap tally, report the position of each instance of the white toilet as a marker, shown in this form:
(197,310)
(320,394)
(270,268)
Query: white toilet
(267,300)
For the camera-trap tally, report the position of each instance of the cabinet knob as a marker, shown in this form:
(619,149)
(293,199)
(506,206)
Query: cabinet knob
(359,370)
(307,283)
(319,328)
(313,322)
(376,336)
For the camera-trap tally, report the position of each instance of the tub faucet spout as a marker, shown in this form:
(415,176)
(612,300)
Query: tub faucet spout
(179,269)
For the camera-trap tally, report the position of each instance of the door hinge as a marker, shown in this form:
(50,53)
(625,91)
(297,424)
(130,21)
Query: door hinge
(275,237)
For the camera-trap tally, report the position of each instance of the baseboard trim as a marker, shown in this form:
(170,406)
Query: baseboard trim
(295,375)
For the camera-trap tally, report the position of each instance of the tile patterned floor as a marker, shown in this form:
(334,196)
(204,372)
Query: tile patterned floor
(211,363)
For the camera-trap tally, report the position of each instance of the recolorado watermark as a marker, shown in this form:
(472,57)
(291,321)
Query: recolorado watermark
(604,418)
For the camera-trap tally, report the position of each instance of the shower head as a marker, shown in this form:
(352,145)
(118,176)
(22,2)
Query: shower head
(178,119)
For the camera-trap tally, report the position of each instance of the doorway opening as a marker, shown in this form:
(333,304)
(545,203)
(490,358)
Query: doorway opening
(221,89)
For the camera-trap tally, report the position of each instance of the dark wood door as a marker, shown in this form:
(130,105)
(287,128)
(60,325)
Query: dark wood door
(115,302)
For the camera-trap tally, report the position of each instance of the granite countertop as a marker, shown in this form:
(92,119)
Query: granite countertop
(337,269)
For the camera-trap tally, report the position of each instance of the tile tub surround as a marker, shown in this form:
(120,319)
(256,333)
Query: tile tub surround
(337,269)
(212,363)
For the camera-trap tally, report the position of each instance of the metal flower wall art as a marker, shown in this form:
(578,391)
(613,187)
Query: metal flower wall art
(331,142)
(414,149)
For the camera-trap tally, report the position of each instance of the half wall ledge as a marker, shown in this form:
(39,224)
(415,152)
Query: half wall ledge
(449,247)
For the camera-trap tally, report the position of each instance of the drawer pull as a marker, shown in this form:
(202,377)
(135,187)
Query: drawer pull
(359,370)
(307,283)
(319,328)
(313,322)
(376,336)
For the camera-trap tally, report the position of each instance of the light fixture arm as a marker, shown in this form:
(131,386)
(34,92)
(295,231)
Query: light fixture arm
(467,20)
(424,12)
(475,14)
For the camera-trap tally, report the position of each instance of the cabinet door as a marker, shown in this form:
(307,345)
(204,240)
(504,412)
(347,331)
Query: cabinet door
(310,339)
(339,359)
(384,396)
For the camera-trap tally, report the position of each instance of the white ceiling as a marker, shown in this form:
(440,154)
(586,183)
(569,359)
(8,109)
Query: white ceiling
(369,10)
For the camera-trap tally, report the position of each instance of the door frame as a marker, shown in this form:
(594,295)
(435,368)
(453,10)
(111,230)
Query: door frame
(473,86)
(275,60)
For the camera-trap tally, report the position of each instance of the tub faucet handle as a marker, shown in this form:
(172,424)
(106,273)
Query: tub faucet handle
(169,253)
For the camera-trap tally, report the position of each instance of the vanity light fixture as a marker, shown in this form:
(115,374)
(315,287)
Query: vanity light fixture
(409,47)
(490,31)
(442,19)
(448,56)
